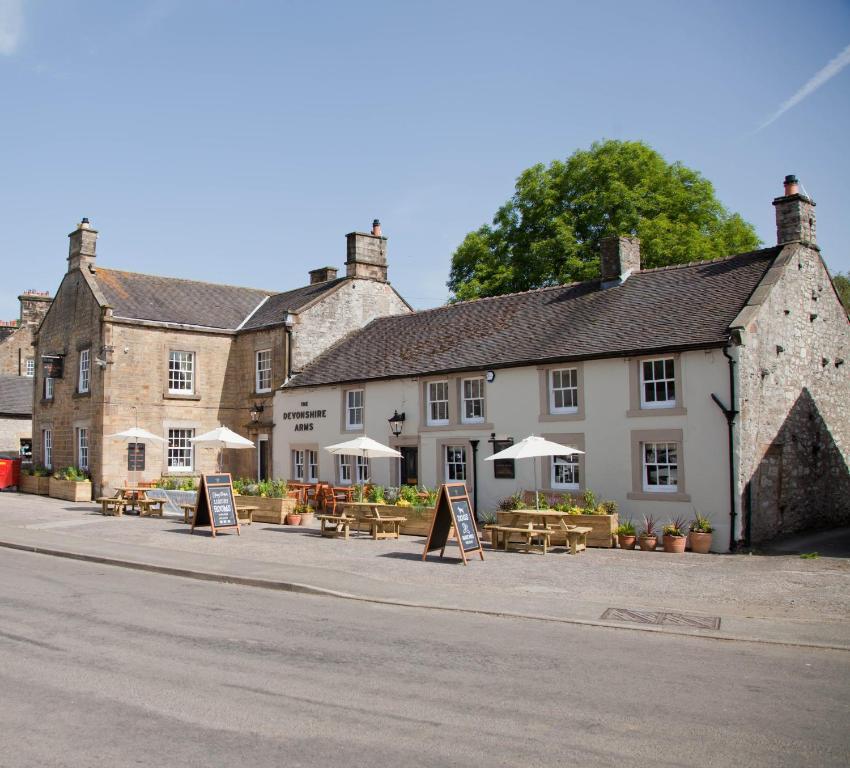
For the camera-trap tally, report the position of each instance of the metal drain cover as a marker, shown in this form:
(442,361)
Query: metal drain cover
(661,618)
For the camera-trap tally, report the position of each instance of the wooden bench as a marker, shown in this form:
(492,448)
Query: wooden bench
(151,507)
(245,514)
(188,512)
(335,525)
(576,537)
(380,526)
(111,505)
(539,539)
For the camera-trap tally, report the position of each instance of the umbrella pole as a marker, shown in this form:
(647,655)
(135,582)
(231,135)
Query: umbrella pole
(536,496)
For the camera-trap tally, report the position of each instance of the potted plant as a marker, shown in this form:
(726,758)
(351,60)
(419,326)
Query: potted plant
(674,536)
(648,539)
(307,515)
(35,480)
(700,535)
(626,536)
(70,484)
(294,517)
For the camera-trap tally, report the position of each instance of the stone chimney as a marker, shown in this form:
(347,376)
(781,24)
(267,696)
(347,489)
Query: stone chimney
(620,257)
(322,275)
(34,306)
(81,250)
(367,254)
(795,216)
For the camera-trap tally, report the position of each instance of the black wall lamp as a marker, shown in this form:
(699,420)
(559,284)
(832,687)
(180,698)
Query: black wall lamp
(256,410)
(396,423)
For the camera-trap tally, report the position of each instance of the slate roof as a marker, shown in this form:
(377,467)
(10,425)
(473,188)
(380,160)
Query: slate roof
(190,302)
(680,307)
(16,395)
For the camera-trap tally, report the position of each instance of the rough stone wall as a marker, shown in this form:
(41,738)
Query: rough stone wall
(17,346)
(12,431)
(352,306)
(794,427)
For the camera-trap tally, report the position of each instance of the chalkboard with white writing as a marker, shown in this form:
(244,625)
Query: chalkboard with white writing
(453,514)
(215,506)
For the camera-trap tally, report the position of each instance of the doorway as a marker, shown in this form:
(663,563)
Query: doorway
(263,462)
(409,466)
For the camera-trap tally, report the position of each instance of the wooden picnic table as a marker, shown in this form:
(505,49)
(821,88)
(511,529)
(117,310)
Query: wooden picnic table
(334,526)
(535,528)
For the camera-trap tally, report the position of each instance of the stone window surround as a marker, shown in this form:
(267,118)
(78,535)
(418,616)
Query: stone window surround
(395,463)
(47,397)
(343,415)
(78,425)
(544,464)
(635,408)
(455,397)
(545,377)
(462,399)
(265,390)
(195,394)
(87,357)
(46,429)
(305,447)
(638,438)
(178,471)
(441,460)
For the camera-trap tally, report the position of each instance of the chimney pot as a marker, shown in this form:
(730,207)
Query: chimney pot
(791,185)
(376,228)
(795,215)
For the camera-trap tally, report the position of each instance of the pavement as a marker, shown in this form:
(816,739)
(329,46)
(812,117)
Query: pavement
(795,593)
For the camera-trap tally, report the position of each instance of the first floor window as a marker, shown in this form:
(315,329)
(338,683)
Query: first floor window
(298,465)
(85,368)
(30,367)
(83,448)
(354,409)
(455,463)
(47,447)
(563,390)
(472,409)
(565,472)
(264,370)
(661,467)
(438,403)
(180,449)
(312,466)
(658,383)
(48,388)
(181,373)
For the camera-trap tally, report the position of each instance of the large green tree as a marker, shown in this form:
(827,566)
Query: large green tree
(548,233)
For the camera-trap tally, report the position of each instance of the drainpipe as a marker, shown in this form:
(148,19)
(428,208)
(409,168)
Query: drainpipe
(288,322)
(474,444)
(730,413)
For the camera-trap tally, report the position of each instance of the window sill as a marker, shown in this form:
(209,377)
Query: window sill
(46,401)
(676,411)
(261,392)
(175,396)
(657,496)
(561,416)
(81,394)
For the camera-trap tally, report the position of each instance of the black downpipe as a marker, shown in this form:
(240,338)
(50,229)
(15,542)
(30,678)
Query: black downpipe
(730,413)
(474,445)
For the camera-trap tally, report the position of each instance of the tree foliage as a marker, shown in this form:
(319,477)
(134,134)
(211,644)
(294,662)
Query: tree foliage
(842,285)
(548,233)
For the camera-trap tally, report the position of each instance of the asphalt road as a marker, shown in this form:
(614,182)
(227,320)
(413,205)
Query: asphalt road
(102,666)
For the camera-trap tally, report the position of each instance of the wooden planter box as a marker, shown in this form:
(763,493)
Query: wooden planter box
(602,535)
(268,510)
(33,484)
(418,521)
(70,490)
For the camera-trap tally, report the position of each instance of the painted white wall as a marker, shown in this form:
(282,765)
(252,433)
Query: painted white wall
(513,409)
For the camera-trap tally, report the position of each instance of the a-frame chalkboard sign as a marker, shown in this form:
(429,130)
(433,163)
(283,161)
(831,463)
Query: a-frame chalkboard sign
(453,513)
(215,506)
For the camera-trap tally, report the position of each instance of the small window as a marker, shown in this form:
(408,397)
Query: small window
(345,470)
(438,403)
(565,471)
(264,370)
(85,369)
(180,450)
(30,367)
(181,373)
(472,407)
(354,409)
(362,469)
(658,383)
(48,388)
(661,467)
(298,469)
(47,447)
(563,390)
(312,466)
(83,448)
(455,463)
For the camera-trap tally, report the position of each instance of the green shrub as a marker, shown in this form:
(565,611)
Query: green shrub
(71,473)
(626,528)
(409,493)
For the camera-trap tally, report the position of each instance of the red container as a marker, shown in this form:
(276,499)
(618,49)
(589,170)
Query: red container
(10,473)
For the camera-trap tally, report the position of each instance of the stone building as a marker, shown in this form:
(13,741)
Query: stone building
(17,357)
(717,386)
(15,416)
(179,357)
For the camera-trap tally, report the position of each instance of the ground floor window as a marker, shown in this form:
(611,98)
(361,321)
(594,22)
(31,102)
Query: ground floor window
(312,466)
(47,447)
(83,448)
(565,472)
(660,467)
(180,449)
(455,469)
(353,469)
(298,471)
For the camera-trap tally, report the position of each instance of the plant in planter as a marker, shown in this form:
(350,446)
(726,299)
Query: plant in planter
(35,480)
(626,536)
(700,535)
(510,503)
(71,484)
(294,517)
(269,496)
(674,536)
(648,539)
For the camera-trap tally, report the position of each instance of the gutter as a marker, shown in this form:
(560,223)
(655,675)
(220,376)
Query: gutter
(730,413)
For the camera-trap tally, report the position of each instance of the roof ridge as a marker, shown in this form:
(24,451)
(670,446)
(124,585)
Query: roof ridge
(187,280)
(698,262)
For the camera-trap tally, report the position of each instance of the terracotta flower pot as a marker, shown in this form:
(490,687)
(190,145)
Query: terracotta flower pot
(700,542)
(626,541)
(648,543)
(307,518)
(293,519)
(674,544)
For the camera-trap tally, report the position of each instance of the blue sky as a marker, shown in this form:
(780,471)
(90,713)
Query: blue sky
(237,142)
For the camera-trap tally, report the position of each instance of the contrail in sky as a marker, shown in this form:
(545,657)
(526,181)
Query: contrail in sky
(827,73)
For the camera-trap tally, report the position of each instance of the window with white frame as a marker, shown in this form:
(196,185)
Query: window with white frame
(48,388)
(180,450)
(30,367)
(298,468)
(563,390)
(362,464)
(565,472)
(181,373)
(472,401)
(345,470)
(312,466)
(455,463)
(354,409)
(83,448)
(264,370)
(47,447)
(660,467)
(438,403)
(353,469)
(658,383)
(85,370)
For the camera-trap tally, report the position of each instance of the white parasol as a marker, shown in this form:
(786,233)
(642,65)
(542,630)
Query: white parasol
(223,438)
(135,435)
(363,446)
(533,447)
